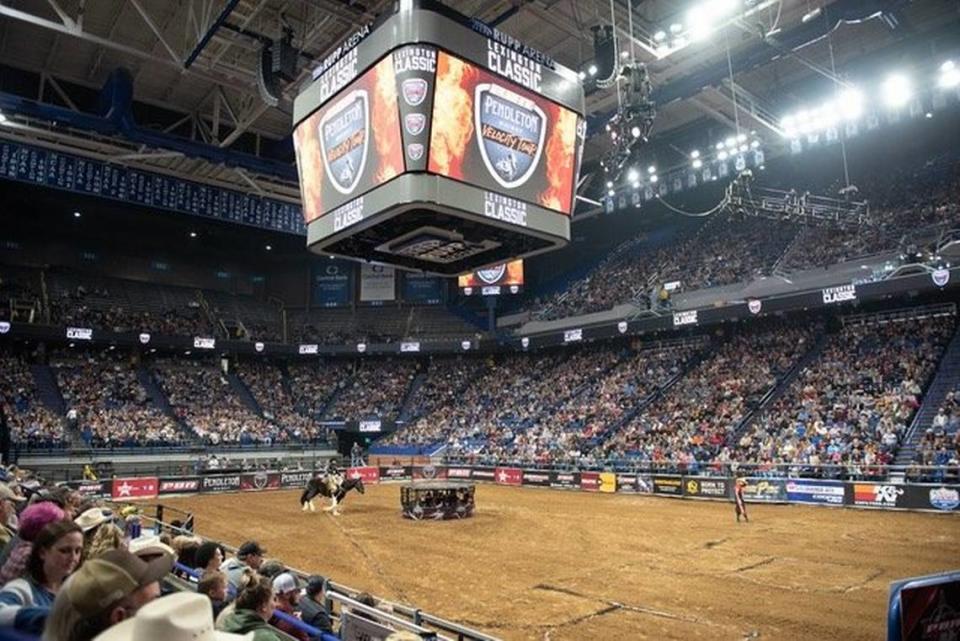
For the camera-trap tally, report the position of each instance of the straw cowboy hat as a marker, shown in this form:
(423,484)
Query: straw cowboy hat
(183,616)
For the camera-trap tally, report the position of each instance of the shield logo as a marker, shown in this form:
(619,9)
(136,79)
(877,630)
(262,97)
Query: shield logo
(415,123)
(4,327)
(525,342)
(429,471)
(622,327)
(344,140)
(415,151)
(361,347)
(258,346)
(144,338)
(414,90)
(511,129)
(940,277)
(754,306)
(514,289)
(467,291)
(465,345)
(492,275)
(260,480)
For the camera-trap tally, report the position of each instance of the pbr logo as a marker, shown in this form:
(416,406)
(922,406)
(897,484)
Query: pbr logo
(511,129)
(465,345)
(4,327)
(754,306)
(622,327)
(428,472)
(525,342)
(144,338)
(492,275)
(258,346)
(944,498)
(414,91)
(344,140)
(361,347)
(260,480)
(514,289)
(414,123)
(940,277)
(415,151)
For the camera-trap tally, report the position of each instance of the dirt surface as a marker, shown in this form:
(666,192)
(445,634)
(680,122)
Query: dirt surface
(549,564)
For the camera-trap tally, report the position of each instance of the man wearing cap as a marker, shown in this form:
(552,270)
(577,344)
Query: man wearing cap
(8,512)
(104,592)
(250,555)
(287,594)
(312,609)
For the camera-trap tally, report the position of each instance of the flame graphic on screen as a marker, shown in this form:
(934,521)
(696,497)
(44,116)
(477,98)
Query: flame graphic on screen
(561,154)
(452,116)
(309,166)
(385,124)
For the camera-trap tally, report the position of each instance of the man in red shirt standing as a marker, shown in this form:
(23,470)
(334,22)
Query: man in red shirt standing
(738,501)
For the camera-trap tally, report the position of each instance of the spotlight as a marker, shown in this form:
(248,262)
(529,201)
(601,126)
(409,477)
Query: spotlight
(193,234)
(76,214)
(949,75)
(635,132)
(611,192)
(624,54)
(269,247)
(592,70)
(741,137)
(730,142)
(743,148)
(636,185)
(633,175)
(651,169)
(697,163)
(928,115)
(609,184)
(695,154)
(896,90)
(851,104)
(582,75)
(660,36)
(719,146)
(654,178)
(676,28)
(722,155)
(755,144)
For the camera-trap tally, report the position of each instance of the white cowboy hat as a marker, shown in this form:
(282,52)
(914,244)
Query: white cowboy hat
(183,616)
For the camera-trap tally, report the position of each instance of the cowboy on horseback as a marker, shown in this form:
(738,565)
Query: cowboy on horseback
(332,485)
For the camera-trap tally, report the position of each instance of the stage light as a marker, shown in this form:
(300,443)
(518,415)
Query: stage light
(193,234)
(743,148)
(896,90)
(697,163)
(719,146)
(633,175)
(754,144)
(695,154)
(730,142)
(592,70)
(722,155)
(635,132)
(660,36)
(654,178)
(949,75)
(928,115)
(609,184)
(611,192)
(269,247)
(810,15)
(651,169)
(676,27)
(3,118)
(851,104)
(788,124)
(624,54)
(741,137)
(76,214)
(582,75)
(636,185)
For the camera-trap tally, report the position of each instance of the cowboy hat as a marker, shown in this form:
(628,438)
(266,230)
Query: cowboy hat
(93,517)
(183,616)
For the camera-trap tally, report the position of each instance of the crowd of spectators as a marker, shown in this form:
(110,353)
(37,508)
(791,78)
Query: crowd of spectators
(444,382)
(937,455)
(695,419)
(109,406)
(851,407)
(31,423)
(313,384)
(202,397)
(266,383)
(373,388)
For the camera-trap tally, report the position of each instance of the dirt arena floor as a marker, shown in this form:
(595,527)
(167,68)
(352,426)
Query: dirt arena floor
(555,565)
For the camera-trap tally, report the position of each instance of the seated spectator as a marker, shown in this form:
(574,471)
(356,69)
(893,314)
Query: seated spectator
(32,521)
(312,608)
(213,584)
(287,599)
(55,553)
(8,513)
(209,557)
(251,611)
(177,616)
(104,592)
(249,556)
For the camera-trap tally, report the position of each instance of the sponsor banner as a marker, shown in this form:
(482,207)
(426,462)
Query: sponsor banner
(370,425)
(627,483)
(377,283)
(539,478)
(685,318)
(572,335)
(366,474)
(220,483)
(645,483)
(295,479)
(930,609)
(883,495)
(563,480)
(705,487)
(311,348)
(134,488)
(671,485)
(493,280)
(396,473)
(93,489)
(810,491)
(590,481)
(352,143)
(509,476)
(496,135)
(765,491)
(608,482)
(931,497)
(839,294)
(461,473)
(415,67)
(259,481)
(187,485)
(332,283)
(410,346)
(422,288)
(80,333)
(431,472)
(201,342)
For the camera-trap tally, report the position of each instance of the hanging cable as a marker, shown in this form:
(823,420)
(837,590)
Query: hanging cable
(693,214)
(733,87)
(843,136)
(633,56)
(616,55)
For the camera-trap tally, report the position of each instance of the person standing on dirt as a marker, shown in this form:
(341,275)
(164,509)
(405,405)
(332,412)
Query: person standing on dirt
(738,502)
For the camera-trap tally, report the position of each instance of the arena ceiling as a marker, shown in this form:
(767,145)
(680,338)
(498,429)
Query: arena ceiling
(194,62)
